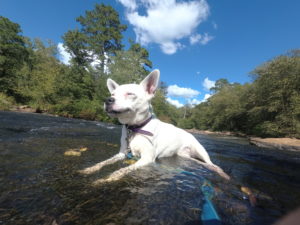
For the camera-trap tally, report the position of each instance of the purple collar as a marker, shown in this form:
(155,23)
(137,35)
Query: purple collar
(137,128)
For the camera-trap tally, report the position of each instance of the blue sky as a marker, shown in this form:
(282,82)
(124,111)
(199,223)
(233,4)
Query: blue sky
(193,42)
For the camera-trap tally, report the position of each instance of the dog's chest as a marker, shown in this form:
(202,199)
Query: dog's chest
(131,146)
(136,143)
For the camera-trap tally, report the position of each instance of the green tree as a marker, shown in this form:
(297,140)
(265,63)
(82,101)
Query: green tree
(13,54)
(142,53)
(99,38)
(220,84)
(275,98)
(36,83)
(75,42)
(270,106)
(163,109)
(131,65)
(201,116)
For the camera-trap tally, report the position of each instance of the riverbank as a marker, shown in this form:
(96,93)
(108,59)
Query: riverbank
(24,109)
(222,133)
(290,144)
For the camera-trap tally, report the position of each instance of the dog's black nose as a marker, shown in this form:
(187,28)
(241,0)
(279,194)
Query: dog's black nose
(109,101)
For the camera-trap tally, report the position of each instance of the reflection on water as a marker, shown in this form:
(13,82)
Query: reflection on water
(39,182)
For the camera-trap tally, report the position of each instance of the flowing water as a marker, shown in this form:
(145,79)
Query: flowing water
(39,183)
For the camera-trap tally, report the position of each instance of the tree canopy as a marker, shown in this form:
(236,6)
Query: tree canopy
(99,37)
(13,54)
(268,107)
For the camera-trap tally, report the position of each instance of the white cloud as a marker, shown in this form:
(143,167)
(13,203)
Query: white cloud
(215,26)
(165,22)
(194,101)
(174,102)
(205,39)
(64,56)
(208,84)
(206,96)
(195,38)
(96,62)
(175,91)
(202,39)
(129,4)
(170,47)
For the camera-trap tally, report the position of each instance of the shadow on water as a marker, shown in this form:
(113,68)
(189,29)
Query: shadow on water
(39,182)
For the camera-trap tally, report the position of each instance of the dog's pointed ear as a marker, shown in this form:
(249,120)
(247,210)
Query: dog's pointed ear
(111,85)
(150,83)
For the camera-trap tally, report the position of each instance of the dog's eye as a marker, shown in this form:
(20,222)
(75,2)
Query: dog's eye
(130,95)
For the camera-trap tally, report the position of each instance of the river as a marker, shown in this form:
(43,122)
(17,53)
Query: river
(39,182)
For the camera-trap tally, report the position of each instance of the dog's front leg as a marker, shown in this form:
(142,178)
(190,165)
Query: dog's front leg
(98,166)
(122,172)
(138,144)
(120,156)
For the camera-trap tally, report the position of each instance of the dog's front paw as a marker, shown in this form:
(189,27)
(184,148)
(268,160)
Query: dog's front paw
(221,172)
(83,172)
(91,170)
(86,171)
(102,181)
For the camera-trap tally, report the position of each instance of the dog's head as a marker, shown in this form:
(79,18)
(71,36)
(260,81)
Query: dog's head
(130,102)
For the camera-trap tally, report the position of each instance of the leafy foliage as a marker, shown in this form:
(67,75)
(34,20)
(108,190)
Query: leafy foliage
(130,66)
(36,81)
(13,54)
(6,102)
(100,36)
(276,95)
(267,107)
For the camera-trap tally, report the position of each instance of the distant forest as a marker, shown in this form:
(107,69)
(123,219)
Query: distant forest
(31,74)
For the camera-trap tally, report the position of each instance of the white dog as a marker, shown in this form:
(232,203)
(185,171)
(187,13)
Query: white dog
(143,135)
